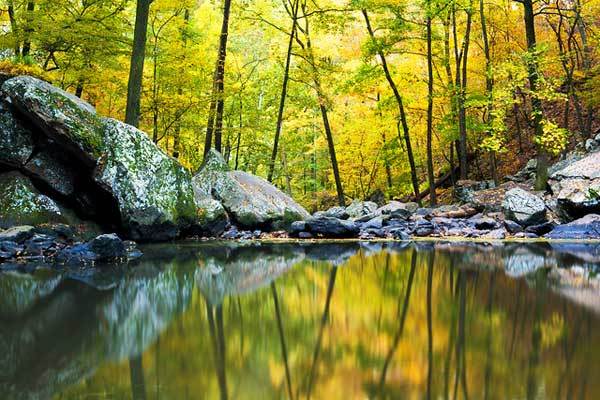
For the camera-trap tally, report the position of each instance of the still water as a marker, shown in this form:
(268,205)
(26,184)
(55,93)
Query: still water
(322,321)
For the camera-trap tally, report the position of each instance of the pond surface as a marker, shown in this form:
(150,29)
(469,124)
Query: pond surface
(326,321)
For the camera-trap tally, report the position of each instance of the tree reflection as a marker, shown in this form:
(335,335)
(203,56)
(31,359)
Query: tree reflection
(398,336)
(136,373)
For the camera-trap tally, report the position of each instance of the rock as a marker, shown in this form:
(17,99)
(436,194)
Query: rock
(496,234)
(490,200)
(49,166)
(464,189)
(108,247)
(526,173)
(591,145)
(22,204)
(523,207)
(512,226)
(212,219)
(337,212)
(484,223)
(464,211)
(360,209)
(17,234)
(587,227)
(9,249)
(540,229)
(330,227)
(250,201)
(377,197)
(576,188)
(396,209)
(423,227)
(305,235)
(375,223)
(65,118)
(153,191)
(16,144)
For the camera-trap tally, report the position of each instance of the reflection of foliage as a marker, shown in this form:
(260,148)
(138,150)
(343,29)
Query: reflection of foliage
(363,319)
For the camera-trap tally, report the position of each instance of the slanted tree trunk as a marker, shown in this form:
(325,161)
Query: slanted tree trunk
(322,99)
(215,119)
(286,74)
(430,174)
(401,111)
(136,69)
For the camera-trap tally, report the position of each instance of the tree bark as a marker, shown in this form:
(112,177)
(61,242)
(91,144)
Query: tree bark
(28,29)
(401,111)
(541,177)
(217,102)
(430,174)
(286,74)
(136,69)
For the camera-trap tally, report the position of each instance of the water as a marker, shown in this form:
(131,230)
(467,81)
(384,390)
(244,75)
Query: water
(329,321)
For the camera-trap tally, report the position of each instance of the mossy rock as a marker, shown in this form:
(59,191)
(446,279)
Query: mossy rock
(153,191)
(22,204)
(16,143)
(70,121)
(250,201)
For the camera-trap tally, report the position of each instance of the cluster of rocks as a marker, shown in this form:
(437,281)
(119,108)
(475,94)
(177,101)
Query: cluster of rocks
(61,162)
(28,247)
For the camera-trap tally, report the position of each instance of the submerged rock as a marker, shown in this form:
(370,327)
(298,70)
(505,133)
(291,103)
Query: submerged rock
(250,201)
(524,207)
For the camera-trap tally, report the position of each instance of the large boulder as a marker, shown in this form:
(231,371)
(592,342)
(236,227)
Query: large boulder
(22,204)
(153,191)
(524,207)
(587,227)
(107,170)
(490,200)
(250,201)
(576,187)
(330,227)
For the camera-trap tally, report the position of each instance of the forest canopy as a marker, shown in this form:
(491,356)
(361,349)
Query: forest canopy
(330,99)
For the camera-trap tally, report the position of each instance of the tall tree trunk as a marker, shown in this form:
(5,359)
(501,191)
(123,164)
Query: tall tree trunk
(14,27)
(323,108)
(286,72)
(401,111)
(136,69)
(541,177)
(489,86)
(462,92)
(216,125)
(430,174)
(28,29)
(184,34)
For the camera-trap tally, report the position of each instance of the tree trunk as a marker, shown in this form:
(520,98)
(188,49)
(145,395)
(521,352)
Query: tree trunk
(489,86)
(177,135)
(136,69)
(401,111)
(430,174)
(462,91)
(28,29)
(14,27)
(541,177)
(323,108)
(218,87)
(284,84)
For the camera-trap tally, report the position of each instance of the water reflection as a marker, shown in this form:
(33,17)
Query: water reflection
(333,320)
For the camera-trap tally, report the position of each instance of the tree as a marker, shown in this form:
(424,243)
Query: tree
(401,110)
(136,69)
(215,115)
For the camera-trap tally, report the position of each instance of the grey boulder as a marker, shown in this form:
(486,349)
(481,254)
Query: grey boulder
(523,207)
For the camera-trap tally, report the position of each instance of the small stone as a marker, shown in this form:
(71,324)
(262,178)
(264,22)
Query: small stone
(108,247)
(540,229)
(512,226)
(17,233)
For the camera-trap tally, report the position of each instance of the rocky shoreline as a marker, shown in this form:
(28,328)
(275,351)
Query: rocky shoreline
(79,188)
